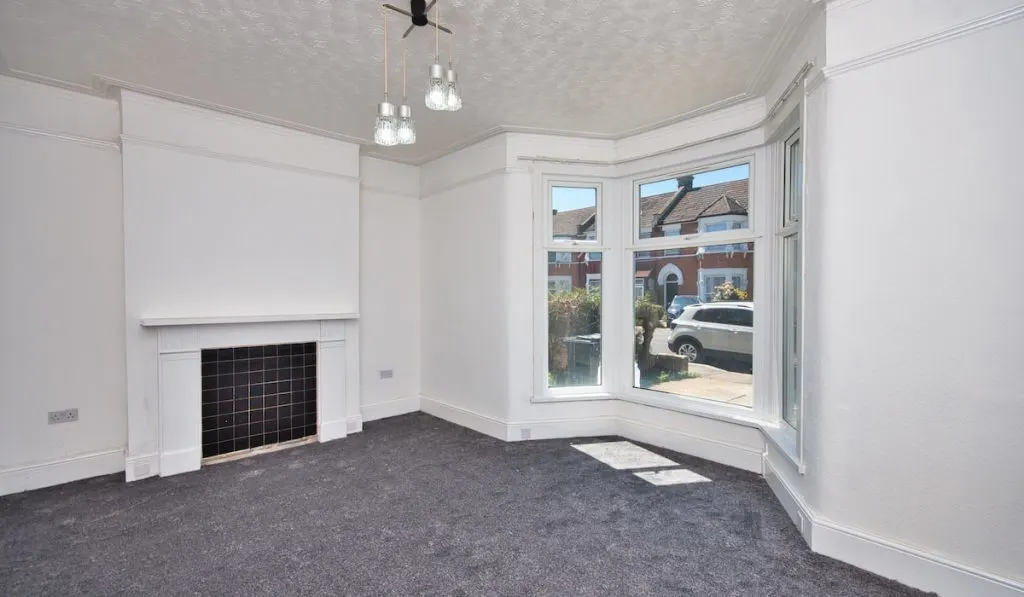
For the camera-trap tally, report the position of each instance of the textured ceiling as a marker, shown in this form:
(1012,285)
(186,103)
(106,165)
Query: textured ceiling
(579,66)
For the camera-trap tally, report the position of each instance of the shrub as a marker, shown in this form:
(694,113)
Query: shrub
(728,292)
(573,313)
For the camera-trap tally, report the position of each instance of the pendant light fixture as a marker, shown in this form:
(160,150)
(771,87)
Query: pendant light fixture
(436,86)
(406,125)
(385,131)
(452,97)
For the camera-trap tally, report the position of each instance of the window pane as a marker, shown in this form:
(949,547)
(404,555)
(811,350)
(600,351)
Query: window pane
(574,213)
(574,322)
(794,180)
(791,331)
(696,305)
(712,201)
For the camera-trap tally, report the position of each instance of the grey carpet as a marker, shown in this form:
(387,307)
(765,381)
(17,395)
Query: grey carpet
(416,506)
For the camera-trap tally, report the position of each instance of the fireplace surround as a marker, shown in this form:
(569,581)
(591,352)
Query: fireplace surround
(330,339)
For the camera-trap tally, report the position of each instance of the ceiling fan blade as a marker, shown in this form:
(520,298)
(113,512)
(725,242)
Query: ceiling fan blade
(441,27)
(429,6)
(398,10)
(408,31)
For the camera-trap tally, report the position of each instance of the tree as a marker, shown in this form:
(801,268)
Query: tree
(648,318)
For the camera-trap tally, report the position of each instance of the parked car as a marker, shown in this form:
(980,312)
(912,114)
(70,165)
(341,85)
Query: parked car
(679,302)
(714,329)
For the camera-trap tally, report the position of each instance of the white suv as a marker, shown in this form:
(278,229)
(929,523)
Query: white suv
(714,329)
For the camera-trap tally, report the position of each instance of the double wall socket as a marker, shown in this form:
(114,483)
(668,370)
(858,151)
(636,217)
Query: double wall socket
(68,415)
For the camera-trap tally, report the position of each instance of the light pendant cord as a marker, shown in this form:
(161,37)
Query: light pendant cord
(404,96)
(385,55)
(437,33)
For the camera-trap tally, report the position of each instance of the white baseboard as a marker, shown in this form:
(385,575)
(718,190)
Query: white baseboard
(141,467)
(465,418)
(174,462)
(390,408)
(332,430)
(901,563)
(65,470)
(562,428)
(354,424)
(736,456)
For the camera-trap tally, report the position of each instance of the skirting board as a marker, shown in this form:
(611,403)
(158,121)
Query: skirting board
(741,457)
(904,564)
(390,408)
(562,428)
(460,416)
(332,430)
(35,476)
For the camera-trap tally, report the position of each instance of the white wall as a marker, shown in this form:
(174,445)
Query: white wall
(61,269)
(389,287)
(465,351)
(920,410)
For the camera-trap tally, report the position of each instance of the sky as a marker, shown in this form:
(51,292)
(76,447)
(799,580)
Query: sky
(566,198)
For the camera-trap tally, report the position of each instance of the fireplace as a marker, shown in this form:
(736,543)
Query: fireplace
(223,385)
(256,396)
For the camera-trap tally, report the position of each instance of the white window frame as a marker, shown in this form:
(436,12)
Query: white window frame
(753,234)
(545,177)
(549,185)
(787,439)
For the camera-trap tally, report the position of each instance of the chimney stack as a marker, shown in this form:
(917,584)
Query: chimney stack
(685,183)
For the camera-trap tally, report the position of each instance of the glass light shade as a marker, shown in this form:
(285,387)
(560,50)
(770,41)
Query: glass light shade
(386,130)
(406,126)
(435,98)
(452,96)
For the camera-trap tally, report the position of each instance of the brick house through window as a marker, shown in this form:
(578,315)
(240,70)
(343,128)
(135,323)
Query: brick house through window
(666,273)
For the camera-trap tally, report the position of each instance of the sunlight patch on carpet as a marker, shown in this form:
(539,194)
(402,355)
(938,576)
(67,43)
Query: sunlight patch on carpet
(624,455)
(678,476)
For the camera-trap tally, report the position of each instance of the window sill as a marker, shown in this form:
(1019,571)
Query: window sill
(784,438)
(548,399)
(697,407)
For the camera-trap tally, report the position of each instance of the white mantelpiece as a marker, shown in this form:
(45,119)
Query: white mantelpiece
(179,400)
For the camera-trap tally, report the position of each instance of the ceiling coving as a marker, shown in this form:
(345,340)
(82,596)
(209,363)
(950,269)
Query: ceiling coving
(602,69)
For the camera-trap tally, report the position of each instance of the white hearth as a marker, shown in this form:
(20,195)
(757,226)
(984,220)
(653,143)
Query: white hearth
(180,342)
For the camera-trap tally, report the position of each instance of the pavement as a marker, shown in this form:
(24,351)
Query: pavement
(710,383)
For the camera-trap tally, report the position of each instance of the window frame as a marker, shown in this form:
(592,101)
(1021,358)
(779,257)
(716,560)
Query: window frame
(549,223)
(698,238)
(791,228)
(787,439)
(545,179)
(753,235)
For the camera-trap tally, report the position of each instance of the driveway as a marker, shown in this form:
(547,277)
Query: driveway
(727,383)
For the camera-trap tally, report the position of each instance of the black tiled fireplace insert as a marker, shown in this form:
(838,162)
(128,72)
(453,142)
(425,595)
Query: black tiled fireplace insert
(257,395)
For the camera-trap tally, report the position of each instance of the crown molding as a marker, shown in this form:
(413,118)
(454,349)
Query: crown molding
(50,82)
(59,136)
(108,85)
(831,5)
(943,36)
(796,26)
